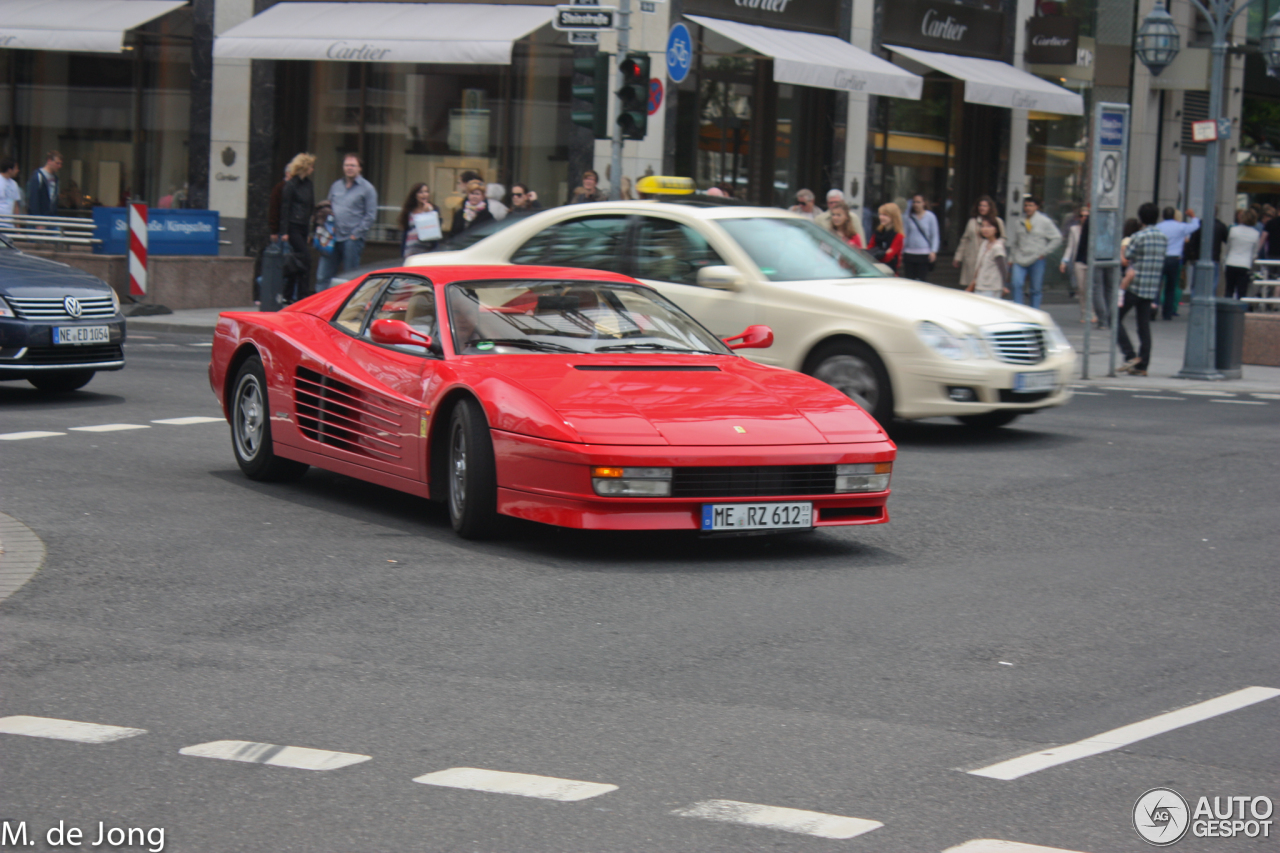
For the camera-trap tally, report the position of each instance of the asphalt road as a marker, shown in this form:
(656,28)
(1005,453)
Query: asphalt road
(1087,569)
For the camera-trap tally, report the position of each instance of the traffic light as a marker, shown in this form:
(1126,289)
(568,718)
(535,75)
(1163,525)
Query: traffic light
(595,92)
(633,97)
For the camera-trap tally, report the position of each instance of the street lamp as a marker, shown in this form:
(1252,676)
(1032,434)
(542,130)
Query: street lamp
(1156,48)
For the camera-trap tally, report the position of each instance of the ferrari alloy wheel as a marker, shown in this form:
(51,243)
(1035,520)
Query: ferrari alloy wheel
(251,428)
(854,369)
(473,488)
(57,383)
(988,420)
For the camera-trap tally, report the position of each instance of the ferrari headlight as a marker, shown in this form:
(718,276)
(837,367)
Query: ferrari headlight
(863,477)
(942,342)
(631,482)
(1057,340)
(5,310)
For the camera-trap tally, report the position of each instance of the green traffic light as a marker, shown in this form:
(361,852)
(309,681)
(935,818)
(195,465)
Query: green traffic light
(595,92)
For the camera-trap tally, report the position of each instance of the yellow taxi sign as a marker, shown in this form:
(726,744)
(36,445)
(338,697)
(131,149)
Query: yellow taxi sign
(665,185)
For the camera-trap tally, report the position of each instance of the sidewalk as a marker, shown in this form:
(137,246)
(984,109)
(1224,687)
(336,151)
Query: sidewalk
(1168,342)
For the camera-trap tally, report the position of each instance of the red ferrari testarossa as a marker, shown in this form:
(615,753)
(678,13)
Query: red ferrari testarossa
(564,396)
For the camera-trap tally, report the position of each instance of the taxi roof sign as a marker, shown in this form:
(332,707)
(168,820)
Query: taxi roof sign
(666,185)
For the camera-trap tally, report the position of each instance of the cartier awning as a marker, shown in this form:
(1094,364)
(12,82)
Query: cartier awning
(998,84)
(808,59)
(470,33)
(96,26)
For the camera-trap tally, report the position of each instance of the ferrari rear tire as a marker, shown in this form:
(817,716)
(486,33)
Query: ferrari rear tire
(854,369)
(472,473)
(71,380)
(251,428)
(989,420)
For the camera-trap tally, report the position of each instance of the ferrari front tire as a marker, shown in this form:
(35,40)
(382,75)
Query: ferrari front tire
(473,481)
(251,428)
(57,383)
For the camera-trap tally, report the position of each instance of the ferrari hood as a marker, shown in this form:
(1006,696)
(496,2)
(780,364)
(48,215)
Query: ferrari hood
(914,300)
(645,400)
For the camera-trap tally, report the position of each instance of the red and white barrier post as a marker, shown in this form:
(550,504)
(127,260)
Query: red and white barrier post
(137,250)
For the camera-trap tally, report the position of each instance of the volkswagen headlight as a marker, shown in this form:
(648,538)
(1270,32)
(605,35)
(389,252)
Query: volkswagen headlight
(115,300)
(943,342)
(5,310)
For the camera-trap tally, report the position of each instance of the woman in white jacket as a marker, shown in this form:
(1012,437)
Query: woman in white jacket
(1243,242)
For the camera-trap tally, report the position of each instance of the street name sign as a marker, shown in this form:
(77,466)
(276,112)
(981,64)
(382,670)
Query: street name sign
(592,19)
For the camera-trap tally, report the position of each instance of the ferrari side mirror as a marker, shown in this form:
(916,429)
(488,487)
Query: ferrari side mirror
(754,337)
(397,333)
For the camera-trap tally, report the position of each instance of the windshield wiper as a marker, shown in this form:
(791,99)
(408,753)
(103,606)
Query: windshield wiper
(663,347)
(525,343)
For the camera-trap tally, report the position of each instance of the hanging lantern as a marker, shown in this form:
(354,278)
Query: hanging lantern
(1158,42)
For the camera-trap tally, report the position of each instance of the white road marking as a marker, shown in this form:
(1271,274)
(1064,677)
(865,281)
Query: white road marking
(190,420)
(1116,388)
(1023,765)
(48,727)
(22,436)
(298,757)
(1154,397)
(109,427)
(1209,393)
(205,344)
(992,845)
(1241,402)
(520,784)
(1262,396)
(775,817)
(1089,393)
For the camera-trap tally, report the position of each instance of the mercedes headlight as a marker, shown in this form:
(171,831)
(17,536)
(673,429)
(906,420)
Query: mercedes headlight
(943,342)
(1057,340)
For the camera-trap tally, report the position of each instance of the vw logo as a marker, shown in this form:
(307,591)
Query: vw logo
(72,306)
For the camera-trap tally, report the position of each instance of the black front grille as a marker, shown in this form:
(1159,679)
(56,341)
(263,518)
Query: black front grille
(756,481)
(73,354)
(1007,396)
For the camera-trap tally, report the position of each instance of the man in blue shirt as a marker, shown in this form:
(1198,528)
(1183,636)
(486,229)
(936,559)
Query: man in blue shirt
(1176,234)
(355,206)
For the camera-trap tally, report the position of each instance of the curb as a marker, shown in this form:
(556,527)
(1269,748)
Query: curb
(22,553)
(180,328)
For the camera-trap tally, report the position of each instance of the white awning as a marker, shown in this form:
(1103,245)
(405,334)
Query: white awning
(998,84)
(96,26)
(808,59)
(470,33)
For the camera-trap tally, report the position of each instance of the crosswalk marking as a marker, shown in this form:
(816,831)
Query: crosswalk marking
(1015,768)
(22,436)
(109,427)
(190,420)
(54,729)
(993,845)
(775,817)
(520,784)
(298,757)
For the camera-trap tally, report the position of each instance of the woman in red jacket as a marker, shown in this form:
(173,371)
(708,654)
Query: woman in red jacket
(886,241)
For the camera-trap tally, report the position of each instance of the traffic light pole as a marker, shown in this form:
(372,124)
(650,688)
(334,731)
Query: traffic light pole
(624,46)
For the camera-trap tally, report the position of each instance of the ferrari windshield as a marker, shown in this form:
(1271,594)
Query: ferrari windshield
(797,250)
(570,316)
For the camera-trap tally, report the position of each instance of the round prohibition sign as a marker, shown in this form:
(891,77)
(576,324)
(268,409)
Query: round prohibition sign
(1110,171)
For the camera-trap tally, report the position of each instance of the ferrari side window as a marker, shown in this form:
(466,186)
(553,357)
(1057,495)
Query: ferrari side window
(593,242)
(351,315)
(670,251)
(412,300)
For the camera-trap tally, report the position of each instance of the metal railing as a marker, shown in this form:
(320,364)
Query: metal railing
(24,228)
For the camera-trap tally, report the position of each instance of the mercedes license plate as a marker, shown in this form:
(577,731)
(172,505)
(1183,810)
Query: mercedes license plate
(1044,380)
(766,516)
(82,334)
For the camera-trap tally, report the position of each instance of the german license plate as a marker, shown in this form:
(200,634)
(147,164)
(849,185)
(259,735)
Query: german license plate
(766,516)
(82,334)
(1044,380)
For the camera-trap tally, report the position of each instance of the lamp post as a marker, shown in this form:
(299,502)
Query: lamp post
(1156,44)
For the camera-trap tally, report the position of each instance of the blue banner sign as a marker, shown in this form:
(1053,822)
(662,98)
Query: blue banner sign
(169,232)
(1111,131)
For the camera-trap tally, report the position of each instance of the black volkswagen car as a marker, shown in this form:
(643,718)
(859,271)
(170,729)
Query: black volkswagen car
(58,325)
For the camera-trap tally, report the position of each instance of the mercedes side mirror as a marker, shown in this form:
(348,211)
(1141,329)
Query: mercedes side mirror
(720,278)
(754,337)
(397,333)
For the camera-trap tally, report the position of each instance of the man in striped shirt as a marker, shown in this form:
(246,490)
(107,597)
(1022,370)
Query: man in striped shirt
(1141,285)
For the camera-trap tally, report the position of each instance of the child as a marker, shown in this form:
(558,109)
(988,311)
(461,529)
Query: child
(991,272)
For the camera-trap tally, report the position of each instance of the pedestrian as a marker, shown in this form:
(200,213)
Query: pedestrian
(1075,262)
(1031,239)
(355,206)
(453,202)
(590,189)
(885,243)
(991,264)
(524,201)
(823,220)
(297,204)
(1141,285)
(473,211)
(804,204)
(967,250)
(1243,243)
(419,222)
(1192,251)
(1176,233)
(840,222)
(923,239)
(1271,225)
(493,193)
(42,187)
(10,192)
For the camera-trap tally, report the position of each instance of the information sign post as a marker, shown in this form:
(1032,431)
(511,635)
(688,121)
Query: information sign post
(1110,155)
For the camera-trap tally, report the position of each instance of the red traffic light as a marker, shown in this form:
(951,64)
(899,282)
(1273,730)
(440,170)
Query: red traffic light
(630,68)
